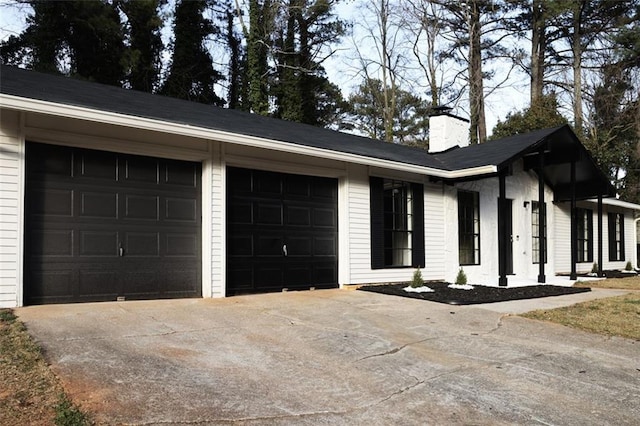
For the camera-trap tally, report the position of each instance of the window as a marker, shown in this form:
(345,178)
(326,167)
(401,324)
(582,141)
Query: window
(584,223)
(535,231)
(616,236)
(397,223)
(469,228)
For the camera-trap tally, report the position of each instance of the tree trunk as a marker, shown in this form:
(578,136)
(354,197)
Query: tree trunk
(576,50)
(478,130)
(538,46)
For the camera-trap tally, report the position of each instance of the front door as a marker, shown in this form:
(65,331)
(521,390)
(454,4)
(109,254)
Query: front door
(509,228)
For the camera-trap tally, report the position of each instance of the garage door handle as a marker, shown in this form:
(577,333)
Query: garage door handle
(284,250)
(121,250)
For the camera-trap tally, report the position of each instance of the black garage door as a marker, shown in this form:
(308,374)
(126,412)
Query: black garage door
(100,226)
(282,231)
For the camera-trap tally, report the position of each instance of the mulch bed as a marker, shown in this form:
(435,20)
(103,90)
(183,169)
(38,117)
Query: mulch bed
(479,294)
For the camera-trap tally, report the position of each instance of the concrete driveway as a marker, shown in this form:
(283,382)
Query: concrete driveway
(333,357)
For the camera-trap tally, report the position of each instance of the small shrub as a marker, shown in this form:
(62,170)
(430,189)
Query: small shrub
(628,267)
(594,268)
(68,414)
(417,280)
(461,279)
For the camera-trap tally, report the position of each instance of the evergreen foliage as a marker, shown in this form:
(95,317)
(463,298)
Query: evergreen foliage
(417,280)
(541,115)
(461,278)
(191,73)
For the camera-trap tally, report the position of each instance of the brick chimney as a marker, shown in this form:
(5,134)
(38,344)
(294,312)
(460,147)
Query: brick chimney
(447,130)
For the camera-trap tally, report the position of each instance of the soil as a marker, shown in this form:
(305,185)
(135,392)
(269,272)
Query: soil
(479,294)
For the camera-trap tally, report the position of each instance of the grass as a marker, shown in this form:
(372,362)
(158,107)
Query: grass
(613,316)
(30,393)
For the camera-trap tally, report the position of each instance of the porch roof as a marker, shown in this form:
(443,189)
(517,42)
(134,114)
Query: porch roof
(559,147)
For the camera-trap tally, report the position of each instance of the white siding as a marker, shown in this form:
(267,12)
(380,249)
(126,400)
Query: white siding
(563,238)
(360,234)
(11,172)
(434,232)
(563,241)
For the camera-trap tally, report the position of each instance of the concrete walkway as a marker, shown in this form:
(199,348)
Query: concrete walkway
(334,357)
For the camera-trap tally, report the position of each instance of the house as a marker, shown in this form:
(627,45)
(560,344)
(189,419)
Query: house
(110,194)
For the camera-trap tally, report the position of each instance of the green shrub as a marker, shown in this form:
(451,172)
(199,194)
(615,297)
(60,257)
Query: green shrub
(594,268)
(461,279)
(417,280)
(628,267)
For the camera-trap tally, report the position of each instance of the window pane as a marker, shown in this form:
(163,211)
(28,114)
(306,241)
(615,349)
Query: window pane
(468,228)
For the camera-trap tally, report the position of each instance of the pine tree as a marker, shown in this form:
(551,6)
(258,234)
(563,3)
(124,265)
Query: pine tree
(191,74)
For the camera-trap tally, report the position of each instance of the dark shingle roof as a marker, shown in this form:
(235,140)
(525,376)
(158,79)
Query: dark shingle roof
(496,153)
(68,91)
(500,153)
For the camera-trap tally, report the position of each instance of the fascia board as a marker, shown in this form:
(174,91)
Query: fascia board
(617,203)
(88,114)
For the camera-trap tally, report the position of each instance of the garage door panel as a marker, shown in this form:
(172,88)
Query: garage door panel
(240,245)
(324,218)
(268,245)
(97,165)
(141,207)
(143,244)
(141,170)
(298,246)
(325,246)
(180,209)
(181,174)
(52,202)
(103,205)
(119,203)
(98,283)
(99,243)
(240,213)
(51,242)
(268,213)
(297,216)
(52,161)
(51,283)
(181,245)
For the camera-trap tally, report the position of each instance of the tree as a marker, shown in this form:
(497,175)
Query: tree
(409,119)
(261,21)
(307,29)
(542,114)
(145,45)
(191,73)
(80,38)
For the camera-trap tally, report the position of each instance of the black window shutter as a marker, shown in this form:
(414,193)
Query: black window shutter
(376,191)
(622,256)
(612,235)
(417,238)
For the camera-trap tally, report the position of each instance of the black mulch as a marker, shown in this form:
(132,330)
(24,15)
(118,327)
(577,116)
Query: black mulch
(479,294)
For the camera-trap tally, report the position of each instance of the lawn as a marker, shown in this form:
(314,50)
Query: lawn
(613,316)
(30,393)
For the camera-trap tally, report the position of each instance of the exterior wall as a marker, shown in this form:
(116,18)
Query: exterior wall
(11,202)
(359,245)
(522,189)
(563,242)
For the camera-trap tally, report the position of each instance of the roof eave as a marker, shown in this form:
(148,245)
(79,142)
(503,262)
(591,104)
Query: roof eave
(106,117)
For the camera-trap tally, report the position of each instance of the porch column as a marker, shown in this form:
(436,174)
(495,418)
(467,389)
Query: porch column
(574,230)
(542,219)
(502,232)
(600,259)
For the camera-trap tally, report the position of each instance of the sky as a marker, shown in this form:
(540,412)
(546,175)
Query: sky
(340,66)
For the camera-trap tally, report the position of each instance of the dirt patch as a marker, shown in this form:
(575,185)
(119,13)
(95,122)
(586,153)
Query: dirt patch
(479,294)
